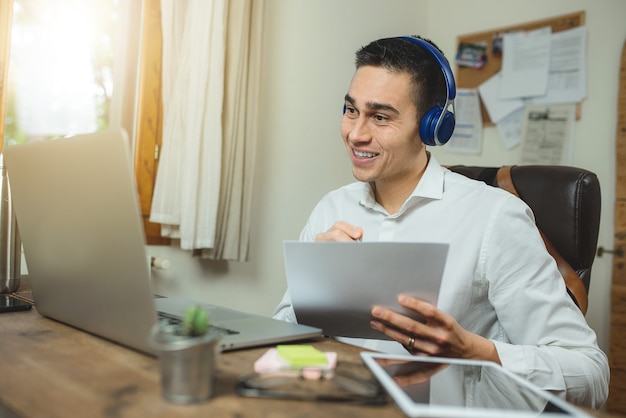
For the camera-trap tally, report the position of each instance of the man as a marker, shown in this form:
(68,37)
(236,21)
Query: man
(502,298)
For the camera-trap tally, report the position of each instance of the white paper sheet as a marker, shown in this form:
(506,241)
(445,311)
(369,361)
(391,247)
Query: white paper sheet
(547,132)
(496,107)
(510,128)
(468,131)
(568,70)
(525,63)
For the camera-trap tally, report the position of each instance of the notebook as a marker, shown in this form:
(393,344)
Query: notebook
(78,214)
(333,285)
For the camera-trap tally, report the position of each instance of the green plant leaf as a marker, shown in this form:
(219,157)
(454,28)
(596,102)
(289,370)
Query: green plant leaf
(195,321)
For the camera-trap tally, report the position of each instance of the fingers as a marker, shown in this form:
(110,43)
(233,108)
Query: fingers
(413,341)
(341,231)
(423,308)
(416,336)
(440,334)
(424,311)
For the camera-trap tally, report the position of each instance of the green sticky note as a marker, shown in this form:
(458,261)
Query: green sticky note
(302,355)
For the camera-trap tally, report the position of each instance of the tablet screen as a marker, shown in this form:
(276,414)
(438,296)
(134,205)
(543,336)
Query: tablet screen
(424,386)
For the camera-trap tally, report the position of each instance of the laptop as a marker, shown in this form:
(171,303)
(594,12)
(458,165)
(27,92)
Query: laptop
(333,285)
(78,214)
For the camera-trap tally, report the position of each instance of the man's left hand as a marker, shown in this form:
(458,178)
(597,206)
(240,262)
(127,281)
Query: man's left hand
(440,335)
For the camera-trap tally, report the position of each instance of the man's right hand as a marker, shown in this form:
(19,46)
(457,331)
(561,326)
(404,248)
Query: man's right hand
(341,231)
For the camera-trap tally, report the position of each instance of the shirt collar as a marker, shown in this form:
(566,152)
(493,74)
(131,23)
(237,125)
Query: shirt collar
(430,186)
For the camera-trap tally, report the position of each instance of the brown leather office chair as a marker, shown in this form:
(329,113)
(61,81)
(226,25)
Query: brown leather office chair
(566,204)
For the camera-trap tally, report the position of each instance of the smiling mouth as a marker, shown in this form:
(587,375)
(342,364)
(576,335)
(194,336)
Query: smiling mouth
(360,154)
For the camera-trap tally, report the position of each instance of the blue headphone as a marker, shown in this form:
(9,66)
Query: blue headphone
(438,123)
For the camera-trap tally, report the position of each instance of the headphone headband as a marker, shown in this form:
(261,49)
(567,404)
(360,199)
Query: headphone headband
(437,125)
(441,60)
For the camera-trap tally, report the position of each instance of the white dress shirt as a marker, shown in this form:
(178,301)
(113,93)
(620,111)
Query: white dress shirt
(499,281)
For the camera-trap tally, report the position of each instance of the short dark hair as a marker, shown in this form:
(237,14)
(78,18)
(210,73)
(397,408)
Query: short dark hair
(401,55)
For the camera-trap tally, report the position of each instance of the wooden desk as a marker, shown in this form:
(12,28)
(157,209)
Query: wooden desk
(48,369)
(53,370)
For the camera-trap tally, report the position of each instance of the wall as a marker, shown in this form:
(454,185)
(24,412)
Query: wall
(307,67)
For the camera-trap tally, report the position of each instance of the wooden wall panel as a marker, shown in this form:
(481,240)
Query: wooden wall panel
(616,403)
(618,328)
(617,348)
(619,262)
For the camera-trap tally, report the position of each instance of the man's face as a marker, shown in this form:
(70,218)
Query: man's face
(379,128)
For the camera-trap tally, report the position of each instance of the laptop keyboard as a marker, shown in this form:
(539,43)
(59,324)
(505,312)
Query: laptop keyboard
(175,320)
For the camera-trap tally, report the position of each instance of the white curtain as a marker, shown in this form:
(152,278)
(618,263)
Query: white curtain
(210,84)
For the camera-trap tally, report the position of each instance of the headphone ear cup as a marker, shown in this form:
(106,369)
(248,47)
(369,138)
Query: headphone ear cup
(446,127)
(428,126)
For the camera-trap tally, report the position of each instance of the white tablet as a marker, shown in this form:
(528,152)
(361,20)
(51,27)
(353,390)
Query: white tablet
(438,387)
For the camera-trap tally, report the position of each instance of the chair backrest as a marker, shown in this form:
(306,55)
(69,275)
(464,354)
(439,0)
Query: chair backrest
(566,203)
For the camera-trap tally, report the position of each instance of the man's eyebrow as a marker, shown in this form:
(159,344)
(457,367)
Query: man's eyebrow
(374,105)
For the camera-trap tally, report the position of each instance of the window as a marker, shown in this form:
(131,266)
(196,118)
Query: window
(70,66)
(61,68)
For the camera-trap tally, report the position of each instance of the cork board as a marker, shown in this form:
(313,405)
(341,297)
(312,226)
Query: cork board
(468,77)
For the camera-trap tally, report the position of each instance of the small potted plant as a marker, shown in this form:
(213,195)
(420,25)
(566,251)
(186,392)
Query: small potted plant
(187,354)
